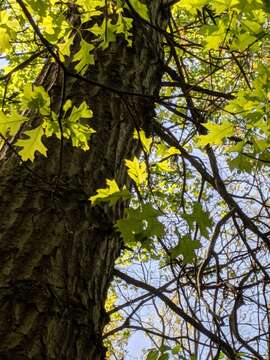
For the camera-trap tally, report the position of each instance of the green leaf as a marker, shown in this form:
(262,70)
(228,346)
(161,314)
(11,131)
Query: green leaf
(32,144)
(140,8)
(242,163)
(186,248)
(241,355)
(165,152)
(221,356)
(200,217)
(165,166)
(266,5)
(164,348)
(11,123)
(110,194)
(172,151)
(152,355)
(260,145)
(140,224)
(262,124)
(191,5)
(243,41)
(84,57)
(67,105)
(38,6)
(65,47)
(36,98)
(47,25)
(241,104)
(8,27)
(145,141)
(107,32)
(252,26)
(164,357)
(73,126)
(220,5)
(216,37)
(216,133)
(83,111)
(176,349)
(91,8)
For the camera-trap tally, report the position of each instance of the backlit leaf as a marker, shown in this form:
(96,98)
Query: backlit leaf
(140,8)
(216,133)
(84,57)
(136,171)
(64,47)
(11,123)
(36,98)
(32,144)
(4,40)
(145,141)
(111,193)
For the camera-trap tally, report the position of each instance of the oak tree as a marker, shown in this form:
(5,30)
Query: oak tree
(134,142)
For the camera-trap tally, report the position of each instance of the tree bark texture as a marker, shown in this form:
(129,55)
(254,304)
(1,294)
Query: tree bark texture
(57,252)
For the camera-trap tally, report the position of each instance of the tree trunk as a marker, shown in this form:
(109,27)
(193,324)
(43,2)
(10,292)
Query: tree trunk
(57,252)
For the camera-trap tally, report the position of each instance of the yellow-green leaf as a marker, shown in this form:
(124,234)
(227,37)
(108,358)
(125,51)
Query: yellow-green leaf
(136,171)
(47,24)
(216,133)
(165,166)
(243,41)
(145,141)
(191,5)
(111,193)
(32,144)
(140,8)
(172,151)
(4,40)
(36,98)
(64,47)
(67,105)
(10,124)
(84,57)
(217,37)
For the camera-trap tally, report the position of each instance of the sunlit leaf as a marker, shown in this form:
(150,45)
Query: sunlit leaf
(11,123)
(136,171)
(110,194)
(143,140)
(84,57)
(216,133)
(32,144)
(36,98)
(140,8)
(4,40)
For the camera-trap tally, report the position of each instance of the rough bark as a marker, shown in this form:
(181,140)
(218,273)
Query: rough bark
(57,252)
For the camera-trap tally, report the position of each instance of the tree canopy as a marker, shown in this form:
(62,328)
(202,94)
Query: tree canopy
(193,273)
